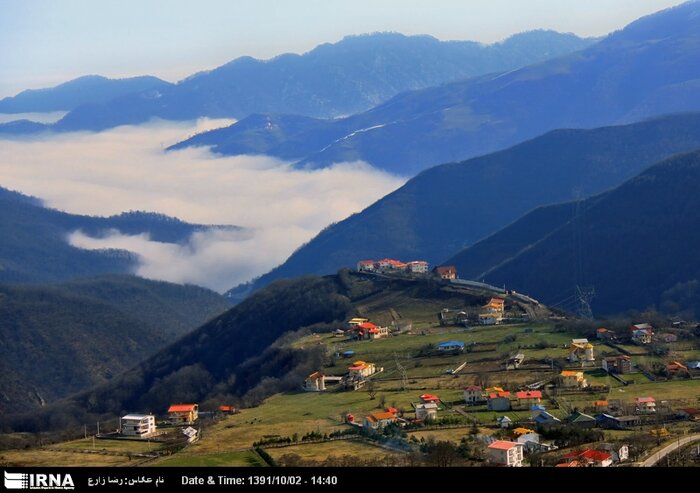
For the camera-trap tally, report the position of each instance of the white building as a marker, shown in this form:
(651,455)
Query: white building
(417,267)
(138,425)
(427,411)
(509,454)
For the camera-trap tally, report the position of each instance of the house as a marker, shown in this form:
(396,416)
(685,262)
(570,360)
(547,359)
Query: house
(426,398)
(366,266)
(625,422)
(348,354)
(581,420)
(191,434)
(446,272)
(618,422)
(495,305)
(504,421)
(388,265)
(581,351)
(183,414)
(572,380)
(590,458)
(620,364)
(528,398)
(427,411)
(417,267)
(514,362)
(619,452)
(645,405)
(537,409)
(365,330)
(490,318)
(525,435)
(361,369)
(674,367)
(601,406)
(451,346)
(138,425)
(473,395)
(354,322)
(499,401)
(544,418)
(228,409)
(604,334)
(315,382)
(508,454)
(642,333)
(379,420)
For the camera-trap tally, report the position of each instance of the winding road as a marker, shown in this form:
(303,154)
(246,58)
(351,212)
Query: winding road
(675,445)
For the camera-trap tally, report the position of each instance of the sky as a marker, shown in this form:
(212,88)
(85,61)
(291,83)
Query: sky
(45,42)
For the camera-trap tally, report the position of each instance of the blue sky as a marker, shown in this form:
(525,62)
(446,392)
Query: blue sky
(45,42)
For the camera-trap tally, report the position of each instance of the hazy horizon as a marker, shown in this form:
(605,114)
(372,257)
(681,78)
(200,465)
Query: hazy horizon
(54,42)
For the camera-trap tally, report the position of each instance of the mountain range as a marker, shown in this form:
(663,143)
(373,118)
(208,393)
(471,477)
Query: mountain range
(90,89)
(34,246)
(449,207)
(61,338)
(647,69)
(331,80)
(634,245)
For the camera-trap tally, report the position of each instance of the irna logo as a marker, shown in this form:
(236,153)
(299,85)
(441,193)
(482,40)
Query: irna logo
(24,481)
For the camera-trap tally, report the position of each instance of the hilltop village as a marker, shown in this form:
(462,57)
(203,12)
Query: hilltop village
(485,375)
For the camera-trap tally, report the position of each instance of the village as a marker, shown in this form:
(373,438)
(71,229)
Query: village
(502,379)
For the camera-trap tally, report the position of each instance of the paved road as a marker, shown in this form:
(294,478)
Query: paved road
(656,457)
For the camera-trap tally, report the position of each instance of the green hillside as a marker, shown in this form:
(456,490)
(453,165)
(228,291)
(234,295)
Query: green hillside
(59,339)
(634,245)
(449,207)
(247,354)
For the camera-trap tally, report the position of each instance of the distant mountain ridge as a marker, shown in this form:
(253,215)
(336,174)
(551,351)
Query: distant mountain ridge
(34,247)
(449,207)
(331,80)
(89,89)
(650,68)
(634,245)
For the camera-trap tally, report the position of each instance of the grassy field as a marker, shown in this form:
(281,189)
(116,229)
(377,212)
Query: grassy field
(126,446)
(321,451)
(38,457)
(244,458)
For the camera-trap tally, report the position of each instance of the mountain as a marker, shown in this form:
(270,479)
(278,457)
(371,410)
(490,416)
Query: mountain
(448,207)
(34,247)
(331,80)
(90,89)
(650,68)
(633,244)
(62,338)
(249,352)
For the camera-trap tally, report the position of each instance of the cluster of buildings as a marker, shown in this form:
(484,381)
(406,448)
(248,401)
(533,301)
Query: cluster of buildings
(389,265)
(358,374)
(426,410)
(362,329)
(497,399)
(144,425)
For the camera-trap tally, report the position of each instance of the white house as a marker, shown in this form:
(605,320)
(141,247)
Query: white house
(509,454)
(315,382)
(645,405)
(473,394)
(138,425)
(417,267)
(366,266)
(427,411)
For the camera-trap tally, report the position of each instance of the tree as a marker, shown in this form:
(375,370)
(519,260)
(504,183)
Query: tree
(442,453)
(371,389)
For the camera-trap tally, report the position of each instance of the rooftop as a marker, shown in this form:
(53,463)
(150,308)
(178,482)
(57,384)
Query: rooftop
(503,445)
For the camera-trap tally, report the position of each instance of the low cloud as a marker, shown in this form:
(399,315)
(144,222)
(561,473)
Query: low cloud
(126,169)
